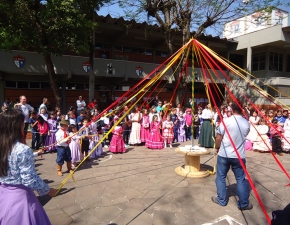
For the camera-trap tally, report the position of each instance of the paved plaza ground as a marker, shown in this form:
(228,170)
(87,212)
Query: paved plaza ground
(140,187)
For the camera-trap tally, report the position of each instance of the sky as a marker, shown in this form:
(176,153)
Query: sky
(116,12)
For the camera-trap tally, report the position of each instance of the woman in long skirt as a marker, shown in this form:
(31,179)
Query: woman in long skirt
(135,138)
(18,177)
(155,140)
(206,137)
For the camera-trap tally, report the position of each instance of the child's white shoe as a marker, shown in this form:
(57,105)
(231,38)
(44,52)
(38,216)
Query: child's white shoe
(170,146)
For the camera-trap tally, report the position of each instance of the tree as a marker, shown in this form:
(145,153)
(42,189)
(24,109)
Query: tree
(49,27)
(188,15)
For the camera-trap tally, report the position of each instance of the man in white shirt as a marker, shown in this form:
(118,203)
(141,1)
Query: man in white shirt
(231,137)
(43,105)
(81,104)
(26,109)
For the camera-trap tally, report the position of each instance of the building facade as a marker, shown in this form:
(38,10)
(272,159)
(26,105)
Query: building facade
(125,52)
(263,49)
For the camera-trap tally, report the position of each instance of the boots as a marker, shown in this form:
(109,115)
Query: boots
(59,173)
(69,169)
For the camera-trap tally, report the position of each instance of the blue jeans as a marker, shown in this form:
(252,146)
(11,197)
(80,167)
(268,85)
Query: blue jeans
(223,166)
(63,154)
(35,140)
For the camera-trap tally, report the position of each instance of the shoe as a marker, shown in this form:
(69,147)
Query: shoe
(106,146)
(126,146)
(170,146)
(214,199)
(280,154)
(248,207)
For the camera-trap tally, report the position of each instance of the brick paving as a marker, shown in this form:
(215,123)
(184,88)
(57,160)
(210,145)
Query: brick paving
(140,187)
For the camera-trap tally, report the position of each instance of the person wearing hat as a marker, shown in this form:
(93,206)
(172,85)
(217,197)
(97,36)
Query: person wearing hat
(63,150)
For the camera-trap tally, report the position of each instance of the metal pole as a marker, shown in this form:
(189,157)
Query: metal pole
(192,92)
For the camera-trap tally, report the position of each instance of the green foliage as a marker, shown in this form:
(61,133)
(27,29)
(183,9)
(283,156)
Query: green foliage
(48,27)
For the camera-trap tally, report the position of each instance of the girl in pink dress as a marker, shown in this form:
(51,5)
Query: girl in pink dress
(154,140)
(145,123)
(74,146)
(167,132)
(117,143)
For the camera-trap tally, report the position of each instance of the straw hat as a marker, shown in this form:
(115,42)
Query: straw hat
(64,122)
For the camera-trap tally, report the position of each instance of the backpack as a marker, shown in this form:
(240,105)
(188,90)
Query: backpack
(281,217)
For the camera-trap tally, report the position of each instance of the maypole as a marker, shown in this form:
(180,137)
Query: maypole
(192,93)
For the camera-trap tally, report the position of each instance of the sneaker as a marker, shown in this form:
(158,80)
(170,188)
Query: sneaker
(248,207)
(126,146)
(214,199)
(106,146)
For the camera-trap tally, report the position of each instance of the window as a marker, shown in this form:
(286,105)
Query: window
(98,45)
(236,28)
(161,53)
(35,85)
(97,87)
(288,63)
(22,84)
(45,85)
(118,48)
(126,49)
(133,49)
(276,61)
(10,84)
(259,61)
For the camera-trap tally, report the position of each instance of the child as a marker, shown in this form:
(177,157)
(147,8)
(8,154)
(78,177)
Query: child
(43,130)
(117,143)
(74,146)
(262,142)
(72,118)
(154,140)
(167,132)
(43,113)
(145,132)
(63,150)
(85,137)
(79,119)
(181,128)
(275,132)
(94,141)
(173,118)
(196,124)
(188,124)
(34,130)
(52,124)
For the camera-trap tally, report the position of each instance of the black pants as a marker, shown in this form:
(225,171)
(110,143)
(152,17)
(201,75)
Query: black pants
(126,133)
(196,132)
(85,145)
(25,129)
(42,139)
(276,144)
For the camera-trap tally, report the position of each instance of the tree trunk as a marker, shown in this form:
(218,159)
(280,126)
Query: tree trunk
(181,90)
(51,75)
